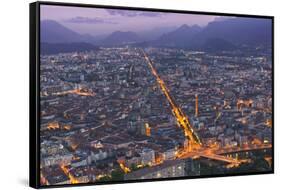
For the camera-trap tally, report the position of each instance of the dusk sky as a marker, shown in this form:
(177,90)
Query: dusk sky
(97,21)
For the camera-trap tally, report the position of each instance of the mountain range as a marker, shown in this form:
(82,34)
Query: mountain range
(226,34)
(179,37)
(120,37)
(53,32)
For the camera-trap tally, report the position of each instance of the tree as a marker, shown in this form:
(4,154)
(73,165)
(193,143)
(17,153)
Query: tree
(134,167)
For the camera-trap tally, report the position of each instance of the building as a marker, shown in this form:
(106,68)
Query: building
(147,156)
(98,154)
(192,168)
(53,175)
(196,106)
(169,154)
(171,168)
(56,159)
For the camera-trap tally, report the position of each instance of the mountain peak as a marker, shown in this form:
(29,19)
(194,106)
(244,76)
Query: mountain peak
(54,32)
(121,37)
(187,28)
(184,26)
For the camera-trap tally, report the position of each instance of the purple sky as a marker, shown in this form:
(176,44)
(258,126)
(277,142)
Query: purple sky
(98,21)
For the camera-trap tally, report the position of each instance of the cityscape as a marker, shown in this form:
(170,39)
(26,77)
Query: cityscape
(130,104)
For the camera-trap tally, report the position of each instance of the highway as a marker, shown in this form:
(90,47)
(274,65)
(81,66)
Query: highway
(181,118)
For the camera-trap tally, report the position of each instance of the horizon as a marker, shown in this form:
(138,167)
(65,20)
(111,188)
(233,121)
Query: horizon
(107,21)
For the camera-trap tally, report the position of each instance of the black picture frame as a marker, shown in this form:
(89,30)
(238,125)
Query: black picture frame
(34,90)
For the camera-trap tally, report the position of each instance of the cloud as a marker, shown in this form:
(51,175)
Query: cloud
(88,20)
(133,13)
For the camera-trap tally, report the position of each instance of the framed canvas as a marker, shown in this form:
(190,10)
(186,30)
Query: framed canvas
(123,94)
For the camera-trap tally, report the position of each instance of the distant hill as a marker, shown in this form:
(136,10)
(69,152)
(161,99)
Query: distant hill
(238,31)
(155,32)
(53,32)
(224,34)
(55,48)
(56,38)
(119,38)
(180,37)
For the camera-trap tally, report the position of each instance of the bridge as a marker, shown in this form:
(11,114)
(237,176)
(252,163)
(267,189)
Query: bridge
(220,158)
(207,153)
(219,154)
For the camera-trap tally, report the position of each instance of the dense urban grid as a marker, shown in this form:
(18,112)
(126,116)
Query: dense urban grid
(130,113)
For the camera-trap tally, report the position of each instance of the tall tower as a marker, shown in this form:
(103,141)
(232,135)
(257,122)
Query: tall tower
(196,105)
